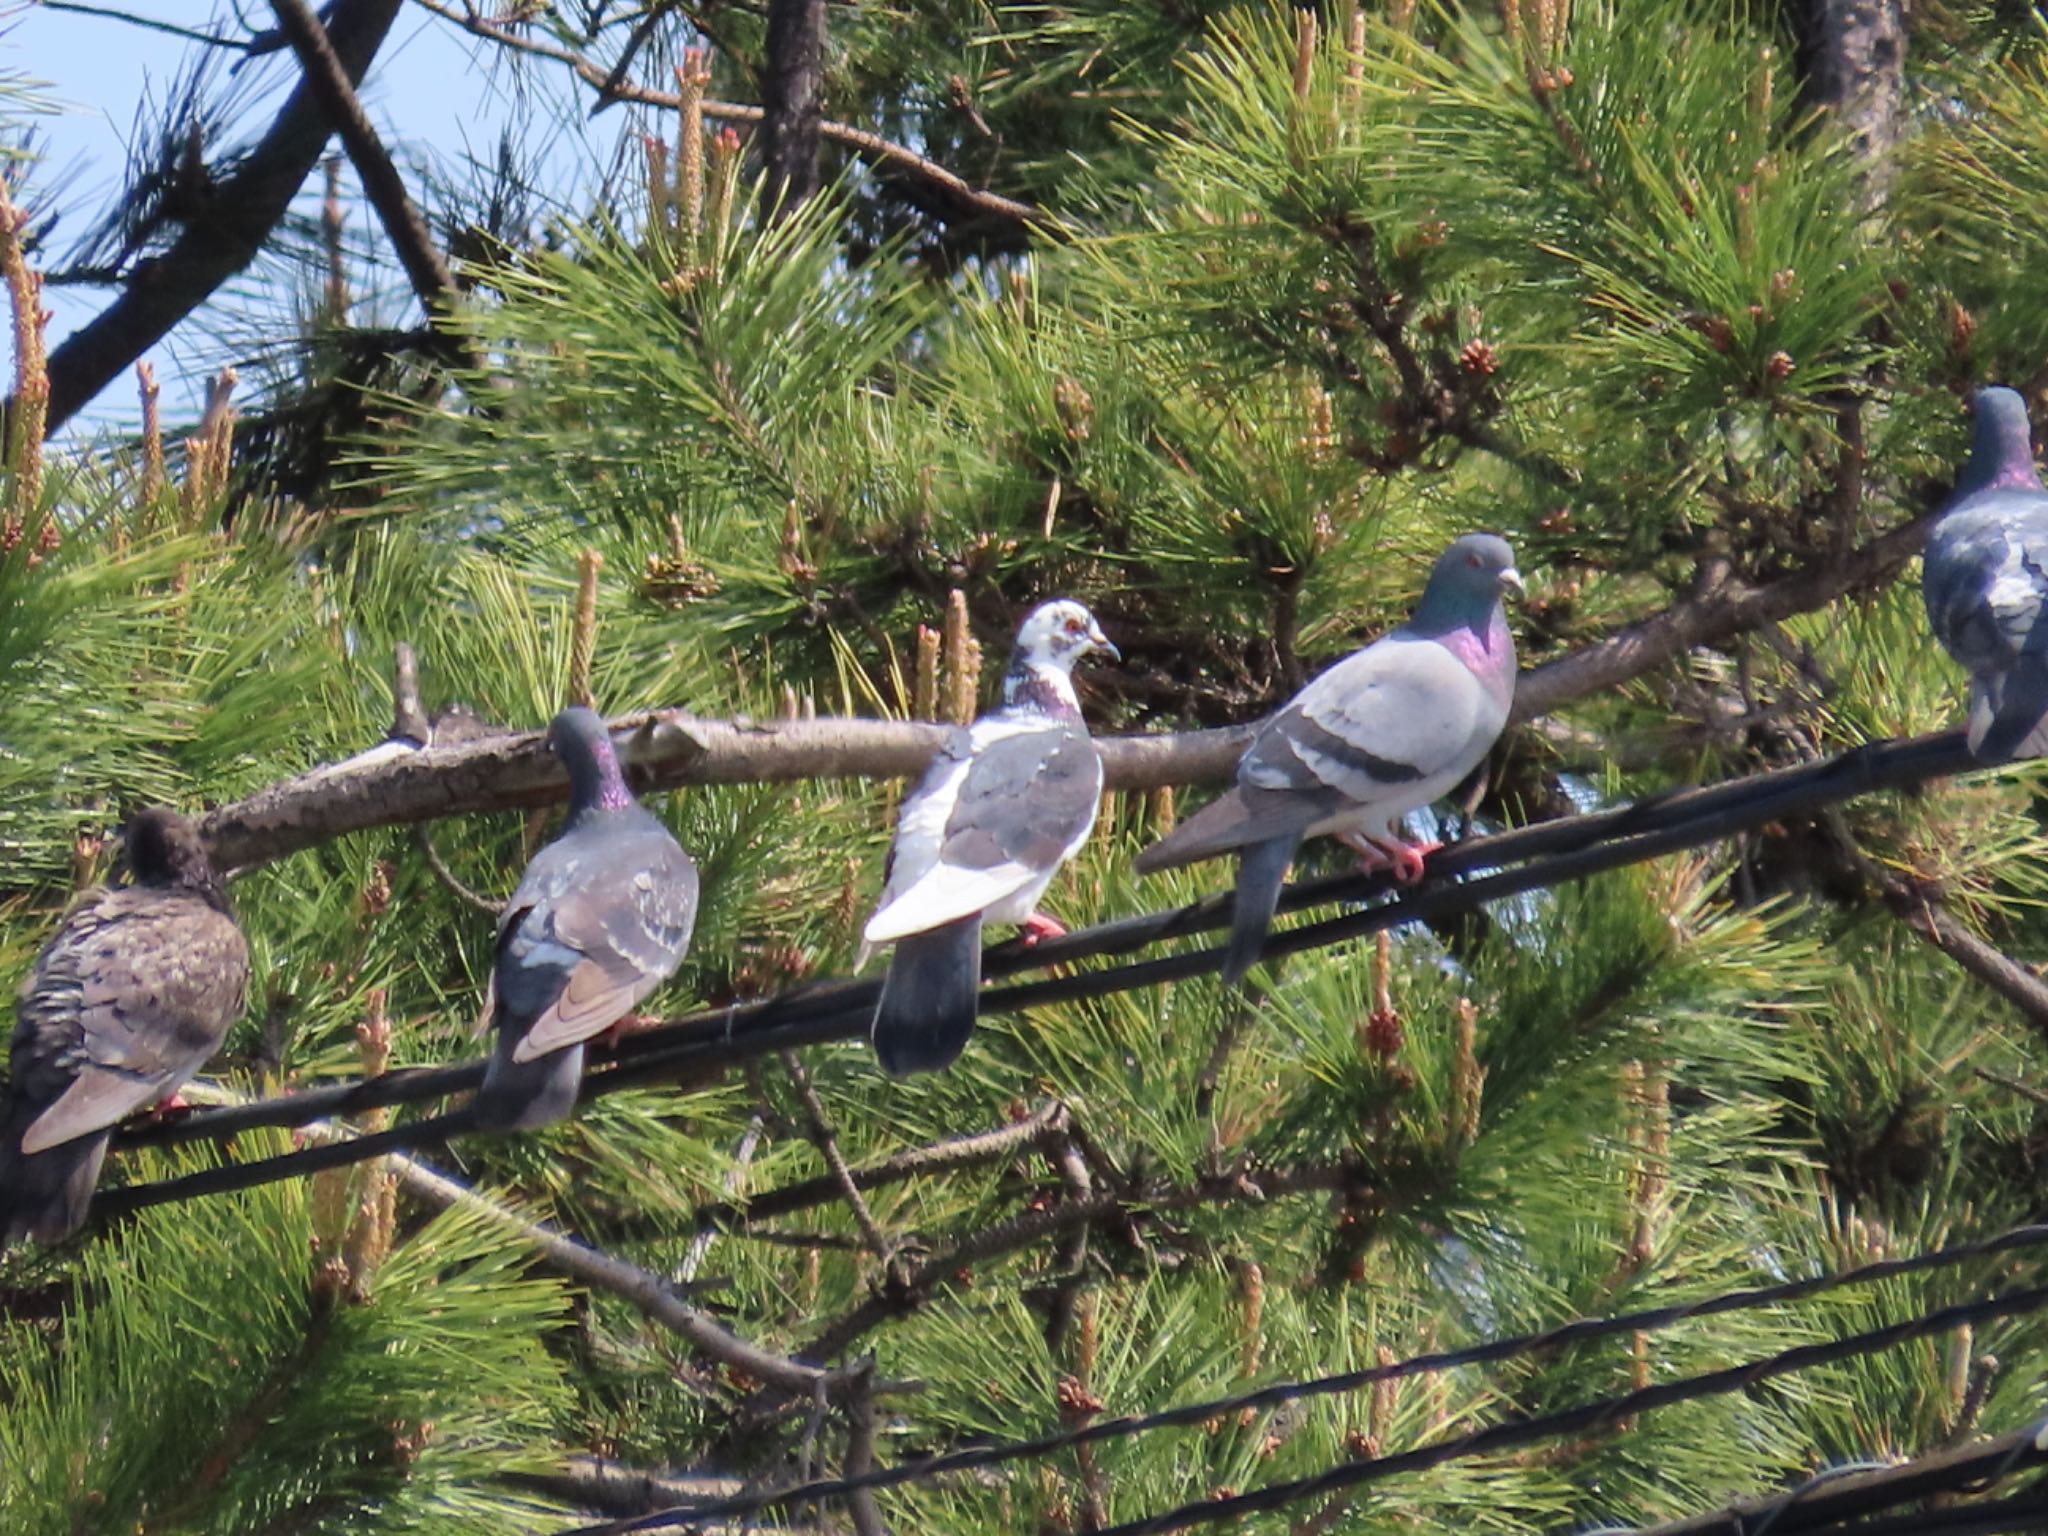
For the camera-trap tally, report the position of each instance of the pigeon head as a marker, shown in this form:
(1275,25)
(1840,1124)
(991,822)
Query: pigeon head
(581,739)
(161,848)
(1466,585)
(2002,457)
(1051,639)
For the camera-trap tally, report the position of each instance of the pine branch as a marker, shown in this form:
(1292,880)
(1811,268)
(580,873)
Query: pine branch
(384,787)
(950,197)
(245,206)
(425,267)
(1530,858)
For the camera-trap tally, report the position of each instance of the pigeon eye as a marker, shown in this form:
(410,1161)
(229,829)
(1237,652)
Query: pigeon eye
(1473,561)
(1074,626)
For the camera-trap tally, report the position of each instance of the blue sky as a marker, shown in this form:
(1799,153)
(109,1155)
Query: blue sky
(431,88)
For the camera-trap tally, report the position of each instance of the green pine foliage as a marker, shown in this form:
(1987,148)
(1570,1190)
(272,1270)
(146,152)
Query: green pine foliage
(1596,276)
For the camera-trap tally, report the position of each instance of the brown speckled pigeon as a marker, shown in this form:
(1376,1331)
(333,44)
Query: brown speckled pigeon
(1984,577)
(1385,731)
(128,999)
(601,918)
(1004,804)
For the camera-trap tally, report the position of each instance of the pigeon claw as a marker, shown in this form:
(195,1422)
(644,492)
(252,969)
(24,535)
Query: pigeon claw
(1038,926)
(1403,860)
(632,1023)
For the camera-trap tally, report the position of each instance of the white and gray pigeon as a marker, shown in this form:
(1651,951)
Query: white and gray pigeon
(601,918)
(1385,731)
(1004,804)
(131,995)
(1984,576)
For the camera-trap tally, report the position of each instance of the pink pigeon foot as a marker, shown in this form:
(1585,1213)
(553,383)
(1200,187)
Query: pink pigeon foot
(172,1106)
(1038,927)
(632,1023)
(1376,854)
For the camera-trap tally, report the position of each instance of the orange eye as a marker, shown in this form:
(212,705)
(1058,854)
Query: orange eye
(1075,626)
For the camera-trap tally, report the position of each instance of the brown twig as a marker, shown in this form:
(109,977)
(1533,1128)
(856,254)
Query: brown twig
(953,195)
(828,1144)
(247,204)
(328,79)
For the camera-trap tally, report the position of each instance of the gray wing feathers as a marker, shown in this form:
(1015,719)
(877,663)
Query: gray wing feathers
(1026,800)
(1985,583)
(1401,710)
(127,1000)
(1239,818)
(601,919)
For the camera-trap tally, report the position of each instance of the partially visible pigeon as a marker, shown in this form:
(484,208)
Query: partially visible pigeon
(1004,804)
(1388,729)
(601,918)
(1984,576)
(128,999)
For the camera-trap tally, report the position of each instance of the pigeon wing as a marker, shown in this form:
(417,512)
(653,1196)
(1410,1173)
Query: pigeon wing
(592,933)
(128,1000)
(1026,801)
(1402,711)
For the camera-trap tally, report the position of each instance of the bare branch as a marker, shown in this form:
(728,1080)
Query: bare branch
(328,79)
(1717,612)
(952,196)
(247,204)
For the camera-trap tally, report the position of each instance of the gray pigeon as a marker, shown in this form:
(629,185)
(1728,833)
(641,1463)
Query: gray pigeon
(1004,804)
(1388,729)
(128,999)
(1984,576)
(601,918)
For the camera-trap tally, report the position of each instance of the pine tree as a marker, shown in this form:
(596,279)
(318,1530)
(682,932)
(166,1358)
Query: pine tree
(1297,295)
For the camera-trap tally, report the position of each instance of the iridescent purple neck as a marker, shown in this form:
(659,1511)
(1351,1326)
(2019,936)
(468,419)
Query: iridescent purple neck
(595,782)
(1490,655)
(1045,690)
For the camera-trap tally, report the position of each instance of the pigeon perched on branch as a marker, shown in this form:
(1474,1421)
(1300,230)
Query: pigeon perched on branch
(601,918)
(1984,576)
(1385,731)
(127,1000)
(1004,804)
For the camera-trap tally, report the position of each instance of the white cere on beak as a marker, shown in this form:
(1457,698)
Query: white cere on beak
(1513,578)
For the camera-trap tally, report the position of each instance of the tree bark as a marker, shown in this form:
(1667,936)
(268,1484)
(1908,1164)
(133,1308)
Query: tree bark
(1852,55)
(791,88)
(247,204)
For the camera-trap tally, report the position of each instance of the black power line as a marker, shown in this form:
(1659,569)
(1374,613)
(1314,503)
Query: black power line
(1549,854)
(1280,1394)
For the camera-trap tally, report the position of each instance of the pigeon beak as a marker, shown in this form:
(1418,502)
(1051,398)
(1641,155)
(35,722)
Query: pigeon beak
(1100,641)
(1513,578)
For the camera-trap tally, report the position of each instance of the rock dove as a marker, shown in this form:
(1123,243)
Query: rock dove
(1386,730)
(1004,804)
(1984,576)
(601,918)
(128,999)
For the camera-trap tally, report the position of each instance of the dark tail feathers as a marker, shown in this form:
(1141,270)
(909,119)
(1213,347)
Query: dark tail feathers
(929,999)
(2009,711)
(1260,869)
(45,1195)
(526,1095)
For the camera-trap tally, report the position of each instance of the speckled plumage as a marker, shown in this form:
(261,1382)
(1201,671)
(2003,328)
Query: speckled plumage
(1004,804)
(1387,730)
(1984,577)
(130,996)
(601,918)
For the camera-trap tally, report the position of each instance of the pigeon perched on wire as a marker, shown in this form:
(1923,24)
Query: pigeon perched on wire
(127,1000)
(1004,804)
(1385,731)
(1984,576)
(601,918)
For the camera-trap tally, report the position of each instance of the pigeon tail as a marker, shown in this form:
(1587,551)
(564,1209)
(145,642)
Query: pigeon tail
(526,1095)
(1260,869)
(929,999)
(2009,711)
(45,1195)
